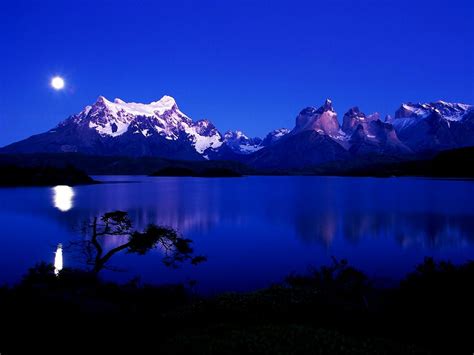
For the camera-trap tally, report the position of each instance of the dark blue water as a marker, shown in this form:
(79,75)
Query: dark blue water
(254,230)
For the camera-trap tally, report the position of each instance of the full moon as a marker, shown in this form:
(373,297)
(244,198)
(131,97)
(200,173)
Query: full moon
(57,83)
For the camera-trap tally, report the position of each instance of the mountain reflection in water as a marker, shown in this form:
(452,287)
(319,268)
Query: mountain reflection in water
(255,230)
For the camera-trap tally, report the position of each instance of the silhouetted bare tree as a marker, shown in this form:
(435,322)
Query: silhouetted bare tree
(117,225)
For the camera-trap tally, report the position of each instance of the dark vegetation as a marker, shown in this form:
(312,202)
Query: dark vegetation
(116,228)
(207,172)
(218,172)
(447,164)
(11,175)
(110,165)
(330,310)
(174,171)
(457,163)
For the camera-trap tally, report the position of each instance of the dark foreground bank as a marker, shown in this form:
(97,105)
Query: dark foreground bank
(331,310)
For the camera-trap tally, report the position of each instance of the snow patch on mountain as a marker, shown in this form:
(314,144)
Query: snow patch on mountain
(410,114)
(275,136)
(238,142)
(203,142)
(449,111)
(113,128)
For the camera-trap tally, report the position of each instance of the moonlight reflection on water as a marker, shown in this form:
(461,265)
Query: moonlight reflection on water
(58,259)
(63,197)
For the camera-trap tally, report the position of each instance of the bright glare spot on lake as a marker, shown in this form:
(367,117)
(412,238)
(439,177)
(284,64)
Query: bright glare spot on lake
(63,197)
(58,259)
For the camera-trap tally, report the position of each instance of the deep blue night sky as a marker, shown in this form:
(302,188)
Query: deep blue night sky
(250,65)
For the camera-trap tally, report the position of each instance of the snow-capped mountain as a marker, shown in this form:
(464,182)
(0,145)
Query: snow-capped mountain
(130,129)
(434,126)
(238,142)
(274,136)
(449,111)
(160,129)
(160,118)
(318,138)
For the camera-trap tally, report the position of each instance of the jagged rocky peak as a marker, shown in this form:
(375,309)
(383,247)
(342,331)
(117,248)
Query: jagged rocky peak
(115,118)
(241,143)
(369,134)
(323,120)
(352,119)
(374,136)
(234,135)
(118,107)
(408,110)
(354,112)
(434,126)
(158,119)
(240,137)
(449,111)
(165,103)
(327,106)
(374,117)
(355,117)
(205,127)
(275,136)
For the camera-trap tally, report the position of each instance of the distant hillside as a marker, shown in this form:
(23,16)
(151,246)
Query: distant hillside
(11,175)
(113,165)
(198,172)
(457,163)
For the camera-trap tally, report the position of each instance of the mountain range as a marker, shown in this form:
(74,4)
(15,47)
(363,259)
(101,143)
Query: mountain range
(160,129)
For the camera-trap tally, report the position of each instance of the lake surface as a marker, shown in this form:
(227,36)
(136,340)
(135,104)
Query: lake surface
(254,230)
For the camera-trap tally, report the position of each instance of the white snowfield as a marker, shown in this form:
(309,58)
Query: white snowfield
(162,117)
(115,118)
(166,103)
(416,112)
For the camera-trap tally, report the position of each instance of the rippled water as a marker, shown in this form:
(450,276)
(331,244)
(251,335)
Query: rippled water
(254,230)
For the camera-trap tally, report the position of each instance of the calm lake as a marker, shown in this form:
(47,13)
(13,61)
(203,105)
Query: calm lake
(253,230)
